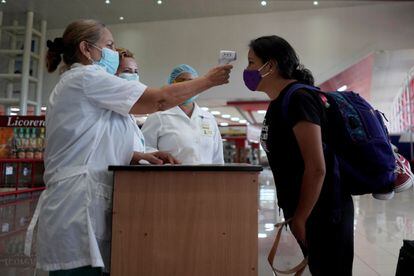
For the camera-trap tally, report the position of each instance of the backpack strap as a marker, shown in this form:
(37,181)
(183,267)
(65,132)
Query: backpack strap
(289,93)
(298,269)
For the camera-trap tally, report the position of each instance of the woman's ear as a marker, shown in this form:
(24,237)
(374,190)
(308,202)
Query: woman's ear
(273,65)
(84,49)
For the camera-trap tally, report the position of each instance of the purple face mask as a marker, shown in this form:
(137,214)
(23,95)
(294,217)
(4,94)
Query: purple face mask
(252,78)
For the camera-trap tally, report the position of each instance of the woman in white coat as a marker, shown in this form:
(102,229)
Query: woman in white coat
(128,70)
(186,131)
(88,128)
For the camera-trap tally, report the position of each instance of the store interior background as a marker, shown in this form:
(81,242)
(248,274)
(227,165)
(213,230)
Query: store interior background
(366,45)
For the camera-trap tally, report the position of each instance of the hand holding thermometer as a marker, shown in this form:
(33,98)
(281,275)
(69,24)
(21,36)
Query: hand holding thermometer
(226,57)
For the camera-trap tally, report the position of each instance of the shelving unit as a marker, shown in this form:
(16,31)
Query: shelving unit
(32,58)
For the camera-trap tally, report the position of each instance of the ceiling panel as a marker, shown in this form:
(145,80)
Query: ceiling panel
(59,13)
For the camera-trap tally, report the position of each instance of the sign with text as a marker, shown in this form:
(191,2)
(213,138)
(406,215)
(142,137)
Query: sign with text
(22,137)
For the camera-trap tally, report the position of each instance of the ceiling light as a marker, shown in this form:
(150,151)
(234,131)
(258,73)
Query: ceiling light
(121,18)
(43,108)
(159,2)
(315,3)
(261,111)
(14,109)
(13,113)
(3,1)
(214,112)
(235,119)
(263,3)
(204,108)
(226,116)
(243,121)
(224,124)
(107,2)
(262,235)
(342,88)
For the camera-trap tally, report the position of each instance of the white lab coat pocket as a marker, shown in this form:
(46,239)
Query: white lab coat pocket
(100,210)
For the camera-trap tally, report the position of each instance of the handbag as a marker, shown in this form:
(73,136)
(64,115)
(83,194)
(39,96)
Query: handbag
(298,269)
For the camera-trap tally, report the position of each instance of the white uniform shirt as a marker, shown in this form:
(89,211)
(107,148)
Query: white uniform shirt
(87,128)
(139,140)
(194,140)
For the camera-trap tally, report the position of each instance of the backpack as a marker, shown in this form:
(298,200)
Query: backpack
(359,140)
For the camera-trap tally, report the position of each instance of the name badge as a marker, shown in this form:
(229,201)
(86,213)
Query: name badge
(206,129)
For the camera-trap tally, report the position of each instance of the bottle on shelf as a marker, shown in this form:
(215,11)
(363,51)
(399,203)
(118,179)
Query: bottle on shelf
(40,144)
(21,149)
(30,150)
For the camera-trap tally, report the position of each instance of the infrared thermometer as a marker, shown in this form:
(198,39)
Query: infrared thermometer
(226,57)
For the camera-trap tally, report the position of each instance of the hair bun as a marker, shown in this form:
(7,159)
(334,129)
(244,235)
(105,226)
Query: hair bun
(56,45)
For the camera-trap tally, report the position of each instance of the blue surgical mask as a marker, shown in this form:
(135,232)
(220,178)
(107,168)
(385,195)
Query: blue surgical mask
(129,76)
(109,59)
(190,100)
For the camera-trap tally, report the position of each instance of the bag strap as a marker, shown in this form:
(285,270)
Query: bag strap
(298,269)
(289,93)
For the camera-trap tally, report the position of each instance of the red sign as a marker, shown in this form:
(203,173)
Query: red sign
(22,121)
(22,137)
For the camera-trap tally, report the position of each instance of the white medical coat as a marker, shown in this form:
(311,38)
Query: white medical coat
(87,128)
(139,139)
(194,140)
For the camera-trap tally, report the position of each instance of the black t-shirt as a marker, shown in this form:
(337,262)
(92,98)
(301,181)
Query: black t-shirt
(285,158)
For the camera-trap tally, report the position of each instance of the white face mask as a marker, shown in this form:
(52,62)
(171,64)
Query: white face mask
(129,76)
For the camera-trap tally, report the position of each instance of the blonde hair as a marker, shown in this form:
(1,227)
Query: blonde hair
(124,53)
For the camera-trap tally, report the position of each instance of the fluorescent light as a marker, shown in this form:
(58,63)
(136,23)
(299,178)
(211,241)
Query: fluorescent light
(214,112)
(107,2)
(15,109)
(224,124)
(261,111)
(121,18)
(262,235)
(235,119)
(269,227)
(43,108)
(226,116)
(263,3)
(242,121)
(315,3)
(13,113)
(159,2)
(342,88)
(204,108)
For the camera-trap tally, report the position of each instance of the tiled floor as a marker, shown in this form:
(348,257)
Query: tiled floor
(380,227)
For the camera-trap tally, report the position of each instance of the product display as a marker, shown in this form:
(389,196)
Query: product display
(22,141)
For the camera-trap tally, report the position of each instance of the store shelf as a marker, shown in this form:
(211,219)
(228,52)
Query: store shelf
(16,53)
(19,30)
(16,160)
(14,101)
(24,50)
(14,77)
(22,191)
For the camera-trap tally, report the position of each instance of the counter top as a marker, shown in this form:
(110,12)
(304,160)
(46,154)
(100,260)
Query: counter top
(205,168)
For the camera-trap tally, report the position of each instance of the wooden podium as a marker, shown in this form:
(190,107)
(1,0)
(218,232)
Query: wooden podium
(185,220)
